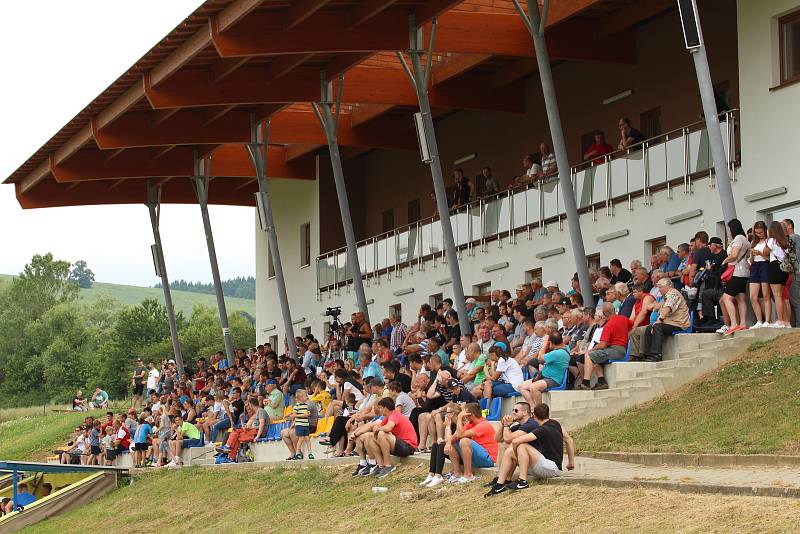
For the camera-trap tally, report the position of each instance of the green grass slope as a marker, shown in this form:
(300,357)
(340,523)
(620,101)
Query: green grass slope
(749,406)
(256,499)
(183,300)
(32,438)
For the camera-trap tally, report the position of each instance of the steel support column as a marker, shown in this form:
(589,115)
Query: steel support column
(154,206)
(420,80)
(536,22)
(330,125)
(257,149)
(712,123)
(202,171)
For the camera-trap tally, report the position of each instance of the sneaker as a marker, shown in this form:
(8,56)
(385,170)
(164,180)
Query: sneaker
(298,456)
(724,328)
(758,324)
(521,484)
(467,480)
(310,456)
(583,387)
(491,483)
(497,489)
(386,471)
(598,386)
(452,479)
(427,480)
(358,469)
(369,470)
(435,481)
(376,471)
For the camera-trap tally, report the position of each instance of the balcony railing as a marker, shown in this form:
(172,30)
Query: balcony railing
(672,160)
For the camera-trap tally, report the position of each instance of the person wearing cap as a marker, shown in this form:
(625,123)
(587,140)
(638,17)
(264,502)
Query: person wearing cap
(711,287)
(552,286)
(471,305)
(274,400)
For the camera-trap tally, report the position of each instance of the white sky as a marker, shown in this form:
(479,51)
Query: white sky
(56,57)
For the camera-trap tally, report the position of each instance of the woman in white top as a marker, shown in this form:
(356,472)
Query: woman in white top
(759,276)
(733,301)
(776,246)
(503,373)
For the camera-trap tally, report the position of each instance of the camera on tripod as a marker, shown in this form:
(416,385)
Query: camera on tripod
(334,312)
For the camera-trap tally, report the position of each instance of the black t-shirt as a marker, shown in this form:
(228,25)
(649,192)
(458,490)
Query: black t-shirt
(454,332)
(237,408)
(528,426)
(464,191)
(139,375)
(550,441)
(623,276)
(637,137)
(405,381)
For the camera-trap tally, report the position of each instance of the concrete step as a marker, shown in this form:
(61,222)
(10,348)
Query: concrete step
(203,461)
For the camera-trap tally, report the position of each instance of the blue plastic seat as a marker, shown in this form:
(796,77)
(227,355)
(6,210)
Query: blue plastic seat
(564,381)
(688,329)
(484,403)
(494,409)
(526,374)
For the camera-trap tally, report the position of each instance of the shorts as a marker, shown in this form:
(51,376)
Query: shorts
(544,468)
(759,272)
(502,389)
(302,431)
(189,443)
(480,456)
(143,446)
(776,276)
(550,382)
(402,448)
(138,389)
(95,450)
(736,286)
(612,352)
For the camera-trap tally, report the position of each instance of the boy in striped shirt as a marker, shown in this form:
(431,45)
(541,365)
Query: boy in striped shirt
(300,415)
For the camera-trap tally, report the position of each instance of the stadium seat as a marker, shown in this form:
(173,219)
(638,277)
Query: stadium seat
(323,425)
(287,411)
(526,374)
(564,381)
(687,330)
(484,404)
(494,409)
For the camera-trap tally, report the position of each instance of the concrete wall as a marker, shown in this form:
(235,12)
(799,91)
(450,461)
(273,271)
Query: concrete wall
(768,132)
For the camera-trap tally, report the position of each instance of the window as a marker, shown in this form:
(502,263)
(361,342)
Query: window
(593,261)
(435,300)
(388,220)
(326,328)
(270,265)
(656,244)
(650,122)
(305,331)
(305,245)
(396,310)
(273,342)
(789,28)
(533,273)
(413,211)
(482,289)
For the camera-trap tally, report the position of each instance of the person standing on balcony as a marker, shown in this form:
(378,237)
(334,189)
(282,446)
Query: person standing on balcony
(598,149)
(490,184)
(549,165)
(463,189)
(629,137)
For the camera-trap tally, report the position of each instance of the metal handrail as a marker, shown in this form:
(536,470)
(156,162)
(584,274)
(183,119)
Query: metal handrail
(644,146)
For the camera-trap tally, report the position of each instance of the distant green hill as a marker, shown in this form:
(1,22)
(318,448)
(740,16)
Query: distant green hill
(183,300)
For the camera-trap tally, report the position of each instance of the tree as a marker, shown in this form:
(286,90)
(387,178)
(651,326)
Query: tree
(81,275)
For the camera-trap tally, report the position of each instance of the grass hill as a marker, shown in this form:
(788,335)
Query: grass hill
(749,406)
(183,300)
(253,499)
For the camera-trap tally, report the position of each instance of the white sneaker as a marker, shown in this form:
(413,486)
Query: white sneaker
(722,329)
(452,479)
(435,481)
(466,480)
(759,324)
(427,480)
(769,325)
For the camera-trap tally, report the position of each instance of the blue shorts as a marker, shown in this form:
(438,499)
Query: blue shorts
(759,272)
(189,443)
(302,431)
(480,456)
(502,389)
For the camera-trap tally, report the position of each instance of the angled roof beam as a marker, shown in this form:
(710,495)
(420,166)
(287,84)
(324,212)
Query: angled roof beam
(225,66)
(300,10)
(625,18)
(366,9)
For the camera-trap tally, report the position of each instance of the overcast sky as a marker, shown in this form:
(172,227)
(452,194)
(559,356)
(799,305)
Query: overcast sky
(56,57)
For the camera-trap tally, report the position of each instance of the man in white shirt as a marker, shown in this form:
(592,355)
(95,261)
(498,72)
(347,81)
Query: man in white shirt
(402,400)
(152,377)
(533,341)
(533,171)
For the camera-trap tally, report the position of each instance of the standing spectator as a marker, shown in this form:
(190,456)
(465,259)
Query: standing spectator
(490,184)
(734,299)
(629,137)
(463,189)
(152,378)
(473,444)
(598,149)
(137,381)
(399,330)
(140,444)
(759,276)
(549,166)
(794,287)
(300,419)
(779,245)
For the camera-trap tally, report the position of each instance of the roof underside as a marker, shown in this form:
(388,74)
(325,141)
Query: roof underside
(231,60)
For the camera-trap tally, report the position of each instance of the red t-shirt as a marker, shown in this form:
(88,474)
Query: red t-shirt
(615,331)
(601,149)
(402,428)
(484,436)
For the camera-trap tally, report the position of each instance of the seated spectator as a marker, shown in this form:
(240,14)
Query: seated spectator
(670,265)
(516,424)
(24,498)
(534,335)
(549,166)
(612,346)
(598,149)
(253,430)
(555,358)
(99,399)
(186,436)
(392,435)
(673,316)
(368,367)
(503,374)
(472,445)
(629,137)
(401,399)
(440,450)
(79,404)
(626,298)
(542,460)
(473,374)
(533,171)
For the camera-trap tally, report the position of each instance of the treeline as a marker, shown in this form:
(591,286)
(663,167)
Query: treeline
(52,342)
(239,287)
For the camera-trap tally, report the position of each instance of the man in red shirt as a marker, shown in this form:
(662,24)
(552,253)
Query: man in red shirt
(612,346)
(393,436)
(599,149)
(473,444)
